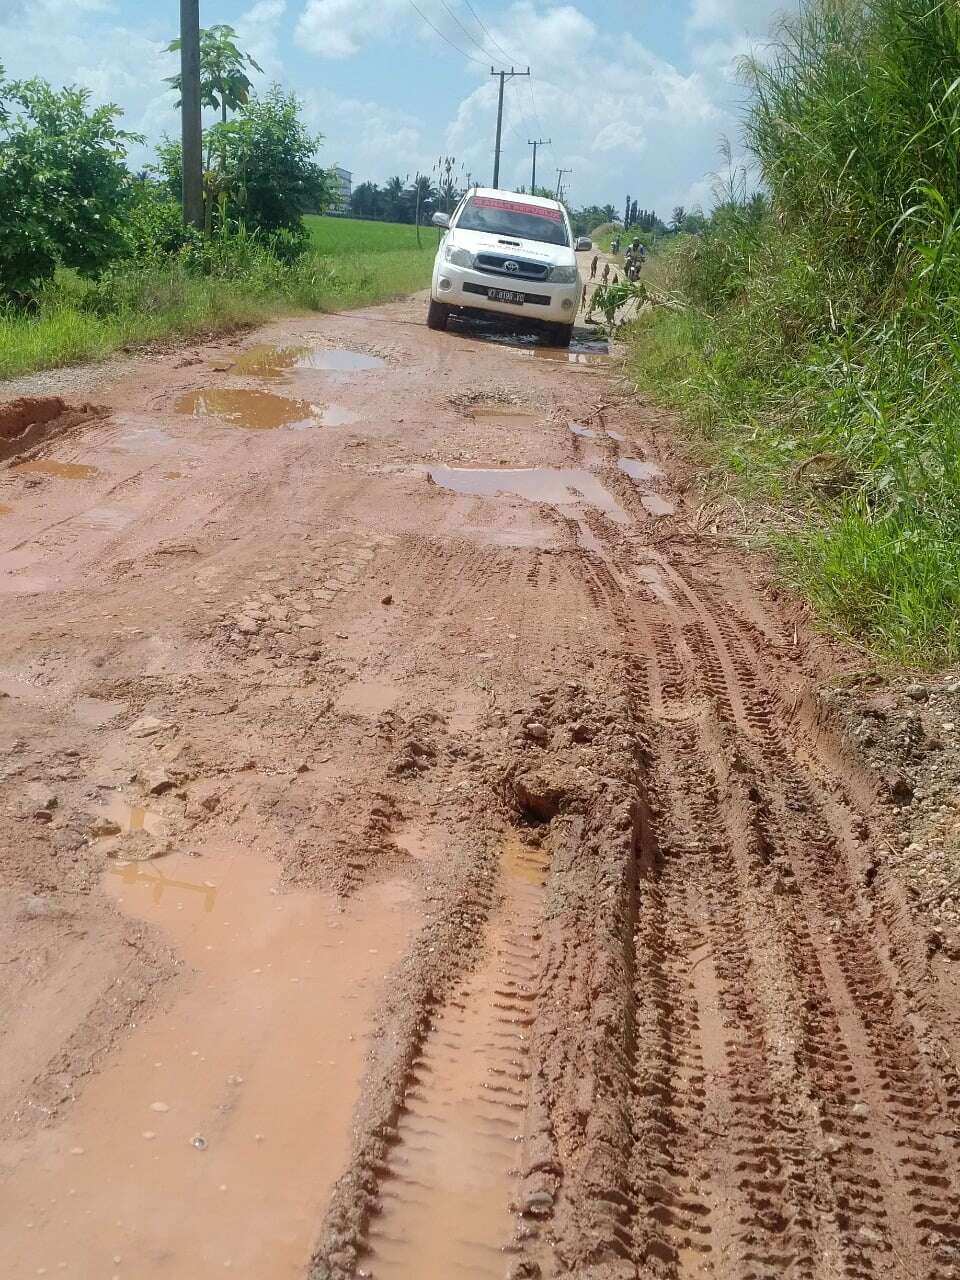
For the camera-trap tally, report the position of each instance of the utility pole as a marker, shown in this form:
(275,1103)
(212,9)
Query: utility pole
(560,173)
(190,122)
(504,75)
(540,142)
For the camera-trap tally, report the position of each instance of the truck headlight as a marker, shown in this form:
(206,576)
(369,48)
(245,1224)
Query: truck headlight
(563,275)
(459,257)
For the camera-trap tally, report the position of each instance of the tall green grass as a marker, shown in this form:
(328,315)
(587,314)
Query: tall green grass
(818,352)
(241,284)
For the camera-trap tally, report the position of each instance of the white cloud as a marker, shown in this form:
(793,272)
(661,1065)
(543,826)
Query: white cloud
(340,28)
(371,140)
(753,16)
(257,34)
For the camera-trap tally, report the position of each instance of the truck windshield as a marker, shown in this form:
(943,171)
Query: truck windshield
(513,218)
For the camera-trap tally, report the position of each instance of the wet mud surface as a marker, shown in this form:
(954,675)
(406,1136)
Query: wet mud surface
(429,851)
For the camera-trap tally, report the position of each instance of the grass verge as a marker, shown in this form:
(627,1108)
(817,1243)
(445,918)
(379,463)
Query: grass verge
(77,321)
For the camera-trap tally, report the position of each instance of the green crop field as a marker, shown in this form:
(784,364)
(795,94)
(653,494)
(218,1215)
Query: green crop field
(338,236)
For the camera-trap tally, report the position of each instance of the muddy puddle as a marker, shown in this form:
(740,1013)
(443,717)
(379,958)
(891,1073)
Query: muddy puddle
(453,1171)
(636,469)
(559,486)
(532,343)
(274,362)
(561,356)
(209,1138)
(657,505)
(584,433)
(252,410)
(51,467)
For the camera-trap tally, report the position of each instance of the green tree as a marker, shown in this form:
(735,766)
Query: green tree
(271,176)
(678,219)
(393,196)
(224,83)
(64,187)
(366,199)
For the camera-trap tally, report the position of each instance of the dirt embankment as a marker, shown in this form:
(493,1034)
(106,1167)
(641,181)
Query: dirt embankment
(428,852)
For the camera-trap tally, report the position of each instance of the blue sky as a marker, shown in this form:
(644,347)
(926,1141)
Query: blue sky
(635,94)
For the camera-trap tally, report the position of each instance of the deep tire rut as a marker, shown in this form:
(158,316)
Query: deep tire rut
(451,1175)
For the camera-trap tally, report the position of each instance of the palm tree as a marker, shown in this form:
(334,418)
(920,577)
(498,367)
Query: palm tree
(678,219)
(394,196)
(224,83)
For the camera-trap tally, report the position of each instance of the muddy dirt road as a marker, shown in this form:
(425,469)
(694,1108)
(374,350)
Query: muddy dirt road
(425,853)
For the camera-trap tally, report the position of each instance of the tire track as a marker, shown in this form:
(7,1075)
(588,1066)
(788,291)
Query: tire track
(452,1173)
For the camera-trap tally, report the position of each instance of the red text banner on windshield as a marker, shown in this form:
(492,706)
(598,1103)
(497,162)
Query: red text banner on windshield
(511,206)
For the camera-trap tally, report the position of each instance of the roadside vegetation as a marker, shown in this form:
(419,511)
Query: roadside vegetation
(815,333)
(94,258)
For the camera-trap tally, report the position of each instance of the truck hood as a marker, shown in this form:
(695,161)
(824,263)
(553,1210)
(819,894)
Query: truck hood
(551,255)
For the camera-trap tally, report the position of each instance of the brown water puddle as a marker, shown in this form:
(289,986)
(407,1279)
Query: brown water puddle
(560,356)
(208,1140)
(559,486)
(656,505)
(453,1173)
(50,467)
(131,816)
(273,362)
(252,410)
(639,470)
(583,432)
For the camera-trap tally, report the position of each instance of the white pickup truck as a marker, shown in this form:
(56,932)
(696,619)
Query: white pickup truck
(508,253)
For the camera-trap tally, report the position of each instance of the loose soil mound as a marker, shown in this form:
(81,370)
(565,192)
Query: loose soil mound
(29,420)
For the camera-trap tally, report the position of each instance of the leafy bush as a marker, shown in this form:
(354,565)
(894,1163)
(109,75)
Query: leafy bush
(64,188)
(154,224)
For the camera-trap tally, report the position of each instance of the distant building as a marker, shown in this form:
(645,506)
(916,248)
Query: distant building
(343,182)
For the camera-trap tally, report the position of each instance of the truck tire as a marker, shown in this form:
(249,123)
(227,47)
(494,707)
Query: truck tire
(437,315)
(560,335)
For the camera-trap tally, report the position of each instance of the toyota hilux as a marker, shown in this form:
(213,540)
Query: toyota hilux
(509,254)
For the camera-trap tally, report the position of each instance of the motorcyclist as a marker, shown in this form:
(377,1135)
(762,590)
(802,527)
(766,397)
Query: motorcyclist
(633,258)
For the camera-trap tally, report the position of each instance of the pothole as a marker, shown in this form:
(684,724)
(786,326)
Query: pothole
(636,469)
(252,410)
(657,505)
(51,467)
(209,1140)
(558,486)
(273,362)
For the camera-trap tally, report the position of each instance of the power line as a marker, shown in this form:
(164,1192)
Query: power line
(463,53)
(470,36)
(493,39)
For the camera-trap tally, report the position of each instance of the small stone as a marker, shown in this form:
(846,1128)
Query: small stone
(918,692)
(899,786)
(159,1106)
(387,599)
(860,1110)
(157,781)
(537,731)
(199,1141)
(76,1151)
(146,727)
(247,626)
(148,1134)
(104,827)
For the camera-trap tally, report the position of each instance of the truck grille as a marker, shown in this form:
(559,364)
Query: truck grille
(494,263)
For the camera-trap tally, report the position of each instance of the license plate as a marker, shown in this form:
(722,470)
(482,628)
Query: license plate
(505,295)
